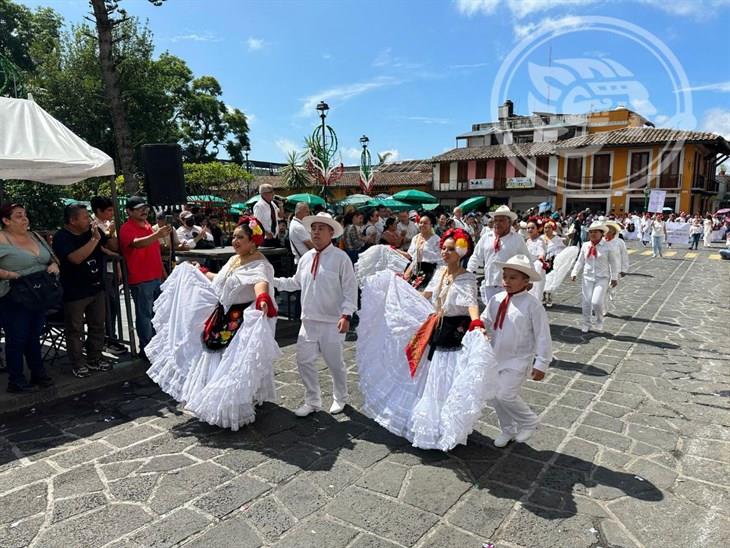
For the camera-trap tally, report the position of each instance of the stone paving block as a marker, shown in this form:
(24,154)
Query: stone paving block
(132,435)
(371,541)
(384,517)
(228,498)
(95,528)
(704,494)
(577,399)
(515,471)
(234,529)
(616,411)
(385,477)
(612,484)
(203,452)
(166,463)
(40,449)
(690,525)
(651,436)
(241,460)
(541,445)
(435,489)
(615,535)
(119,470)
(276,471)
(561,416)
(163,445)
(133,489)
(66,508)
(78,481)
(270,517)
(484,509)
(577,454)
(302,497)
(341,434)
(302,455)
(602,437)
(23,503)
(604,422)
(564,480)
(317,533)
(532,526)
(364,453)
(661,476)
(631,401)
(38,431)
(22,534)
(553,500)
(706,470)
(80,455)
(332,475)
(172,529)
(178,487)
(586,386)
(445,536)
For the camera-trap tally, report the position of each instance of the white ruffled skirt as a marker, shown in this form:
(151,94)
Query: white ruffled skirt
(220,387)
(438,407)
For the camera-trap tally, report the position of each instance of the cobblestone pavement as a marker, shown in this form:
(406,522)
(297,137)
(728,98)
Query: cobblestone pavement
(634,450)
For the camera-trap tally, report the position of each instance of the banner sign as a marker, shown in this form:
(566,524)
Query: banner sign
(656,201)
(481,184)
(678,233)
(519,182)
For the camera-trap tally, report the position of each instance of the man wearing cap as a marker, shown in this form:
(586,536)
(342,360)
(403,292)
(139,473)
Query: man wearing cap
(499,245)
(267,212)
(326,278)
(190,234)
(140,246)
(407,228)
(600,266)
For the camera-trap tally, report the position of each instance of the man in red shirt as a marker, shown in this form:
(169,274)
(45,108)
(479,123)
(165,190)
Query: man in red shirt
(140,246)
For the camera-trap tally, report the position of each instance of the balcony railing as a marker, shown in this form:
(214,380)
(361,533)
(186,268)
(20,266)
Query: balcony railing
(665,182)
(588,183)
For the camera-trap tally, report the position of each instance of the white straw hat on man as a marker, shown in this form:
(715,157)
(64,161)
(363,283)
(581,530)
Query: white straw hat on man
(597,225)
(503,211)
(521,263)
(324,218)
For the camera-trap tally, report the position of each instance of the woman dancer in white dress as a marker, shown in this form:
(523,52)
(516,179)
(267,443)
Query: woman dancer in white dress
(212,350)
(424,367)
(538,250)
(554,244)
(424,253)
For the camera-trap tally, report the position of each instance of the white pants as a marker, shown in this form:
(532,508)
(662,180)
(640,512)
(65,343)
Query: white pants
(321,339)
(538,287)
(610,299)
(489,291)
(594,299)
(513,413)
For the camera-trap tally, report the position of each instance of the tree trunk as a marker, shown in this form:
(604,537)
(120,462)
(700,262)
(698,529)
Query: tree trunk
(113,95)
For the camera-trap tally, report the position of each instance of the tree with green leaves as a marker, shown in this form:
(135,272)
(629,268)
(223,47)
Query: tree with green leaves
(294,173)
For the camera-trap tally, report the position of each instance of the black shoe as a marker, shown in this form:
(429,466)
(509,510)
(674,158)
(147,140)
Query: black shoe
(21,388)
(44,381)
(113,347)
(101,365)
(80,372)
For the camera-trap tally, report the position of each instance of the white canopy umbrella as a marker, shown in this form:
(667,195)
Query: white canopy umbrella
(34,146)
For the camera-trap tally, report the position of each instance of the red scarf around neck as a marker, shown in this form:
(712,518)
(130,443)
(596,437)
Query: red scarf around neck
(502,310)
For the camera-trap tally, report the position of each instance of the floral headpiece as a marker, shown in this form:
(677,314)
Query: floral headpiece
(463,243)
(257,231)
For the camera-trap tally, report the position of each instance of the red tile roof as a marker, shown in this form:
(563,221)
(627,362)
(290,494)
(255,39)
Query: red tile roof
(496,151)
(642,136)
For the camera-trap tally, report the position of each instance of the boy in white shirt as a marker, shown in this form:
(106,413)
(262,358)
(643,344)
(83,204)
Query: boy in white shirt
(519,332)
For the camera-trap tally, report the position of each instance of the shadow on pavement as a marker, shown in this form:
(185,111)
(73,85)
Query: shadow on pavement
(572,335)
(590,370)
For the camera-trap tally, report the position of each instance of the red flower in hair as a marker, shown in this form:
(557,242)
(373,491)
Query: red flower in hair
(461,238)
(255,227)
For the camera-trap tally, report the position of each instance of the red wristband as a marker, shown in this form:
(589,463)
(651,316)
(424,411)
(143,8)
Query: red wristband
(476,323)
(266,298)
(203,269)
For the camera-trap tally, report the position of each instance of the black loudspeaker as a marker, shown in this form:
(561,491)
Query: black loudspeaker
(163,174)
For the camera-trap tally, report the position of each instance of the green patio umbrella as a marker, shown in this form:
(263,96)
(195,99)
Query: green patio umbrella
(412,196)
(207,198)
(390,203)
(309,199)
(354,200)
(430,207)
(252,200)
(69,201)
(472,203)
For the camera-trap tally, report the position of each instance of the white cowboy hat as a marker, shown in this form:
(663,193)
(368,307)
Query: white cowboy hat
(503,211)
(324,218)
(521,263)
(597,225)
(617,226)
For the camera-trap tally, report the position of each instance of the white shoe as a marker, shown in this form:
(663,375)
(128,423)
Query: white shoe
(585,329)
(337,407)
(502,440)
(305,410)
(524,435)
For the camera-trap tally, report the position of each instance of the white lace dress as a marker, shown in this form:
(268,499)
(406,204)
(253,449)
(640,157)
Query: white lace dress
(537,249)
(438,407)
(219,387)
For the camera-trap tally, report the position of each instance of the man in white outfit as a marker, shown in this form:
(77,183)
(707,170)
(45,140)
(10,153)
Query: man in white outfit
(600,266)
(327,281)
(267,212)
(299,238)
(499,245)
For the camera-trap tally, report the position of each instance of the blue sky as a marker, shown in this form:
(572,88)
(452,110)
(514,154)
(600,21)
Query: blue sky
(414,74)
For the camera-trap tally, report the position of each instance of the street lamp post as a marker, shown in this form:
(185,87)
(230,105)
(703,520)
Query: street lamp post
(647,192)
(322,108)
(366,168)
(246,150)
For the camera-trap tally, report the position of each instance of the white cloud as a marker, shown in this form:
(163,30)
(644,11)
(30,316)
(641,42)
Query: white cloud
(197,37)
(351,154)
(386,60)
(470,66)
(340,94)
(472,7)
(255,44)
(394,155)
(524,8)
(327,56)
(695,8)
(717,120)
(287,145)
(723,87)
(549,24)
(428,120)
